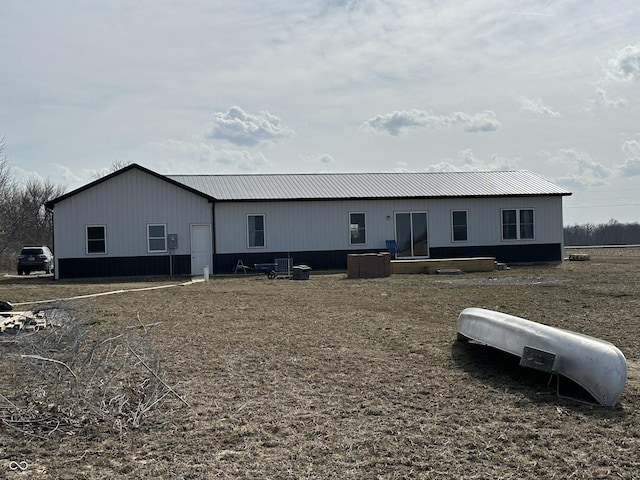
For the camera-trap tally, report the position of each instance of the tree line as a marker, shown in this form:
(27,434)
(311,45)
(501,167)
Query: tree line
(610,233)
(23,217)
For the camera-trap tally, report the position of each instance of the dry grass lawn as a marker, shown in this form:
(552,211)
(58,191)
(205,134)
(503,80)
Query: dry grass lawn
(245,377)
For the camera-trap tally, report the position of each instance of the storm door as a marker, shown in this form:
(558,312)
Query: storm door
(411,234)
(201,255)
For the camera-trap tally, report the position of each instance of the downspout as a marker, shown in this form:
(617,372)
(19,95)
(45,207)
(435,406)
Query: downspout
(53,241)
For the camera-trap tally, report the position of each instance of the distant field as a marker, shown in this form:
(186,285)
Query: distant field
(245,377)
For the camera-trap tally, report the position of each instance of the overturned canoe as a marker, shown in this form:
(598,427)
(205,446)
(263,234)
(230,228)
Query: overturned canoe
(594,364)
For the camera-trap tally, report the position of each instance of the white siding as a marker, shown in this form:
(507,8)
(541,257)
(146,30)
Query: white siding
(317,225)
(126,203)
(485,222)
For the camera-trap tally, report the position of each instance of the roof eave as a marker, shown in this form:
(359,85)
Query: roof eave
(421,197)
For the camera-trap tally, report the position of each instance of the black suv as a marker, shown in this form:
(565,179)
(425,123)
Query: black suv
(35,258)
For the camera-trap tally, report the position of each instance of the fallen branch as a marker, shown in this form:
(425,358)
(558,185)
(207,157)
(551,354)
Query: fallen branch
(111,339)
(159,379)
(53,360)
(140,322)
(143,326)
(8,401)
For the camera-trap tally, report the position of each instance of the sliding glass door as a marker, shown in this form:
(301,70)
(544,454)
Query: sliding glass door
(411,234)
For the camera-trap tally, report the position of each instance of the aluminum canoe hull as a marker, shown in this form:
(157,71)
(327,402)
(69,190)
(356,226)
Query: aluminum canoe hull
(596,365)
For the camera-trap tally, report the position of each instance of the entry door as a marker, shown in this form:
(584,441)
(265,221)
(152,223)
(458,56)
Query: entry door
(411,234)
(201,255)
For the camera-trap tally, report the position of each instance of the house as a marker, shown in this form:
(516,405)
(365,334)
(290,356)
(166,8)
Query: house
(138,222)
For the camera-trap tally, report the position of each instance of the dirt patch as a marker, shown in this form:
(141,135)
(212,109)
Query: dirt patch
(325,378)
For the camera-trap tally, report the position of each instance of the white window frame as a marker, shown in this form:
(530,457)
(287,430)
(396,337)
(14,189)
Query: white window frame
(264,230)
(466,226)
(518,225)
(150,238)
(358,228)
(86,239)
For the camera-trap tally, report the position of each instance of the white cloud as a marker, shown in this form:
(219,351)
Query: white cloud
(23,176)
(480,122)
(62,175)
(631,165)
(195,150)
(401,167)
(244,161)
(244,129)
(395,123)
(625,65)
(398,122)
(503,163)
(88,82)
(537,107)
(631,148)
(578,169)
(210,156)
(443,166)
(602,100)
(73,177)
(467,161)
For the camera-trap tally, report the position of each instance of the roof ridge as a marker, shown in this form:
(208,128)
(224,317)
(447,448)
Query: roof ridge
(341,173)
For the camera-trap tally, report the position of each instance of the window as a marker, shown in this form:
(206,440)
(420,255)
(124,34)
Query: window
(526,224)
(517,224)
(255,231)
(156,238)
(509,225)
(357,229)
(459,226)
(96,239)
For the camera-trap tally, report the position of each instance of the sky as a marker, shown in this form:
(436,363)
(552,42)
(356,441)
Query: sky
(310,86)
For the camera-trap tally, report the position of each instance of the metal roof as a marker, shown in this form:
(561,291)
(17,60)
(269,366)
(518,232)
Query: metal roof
(324,186)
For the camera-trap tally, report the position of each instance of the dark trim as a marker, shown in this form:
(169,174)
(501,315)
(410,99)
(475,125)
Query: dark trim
(88,267)
(515,253)
(51,203)
(337,259)
(324,260)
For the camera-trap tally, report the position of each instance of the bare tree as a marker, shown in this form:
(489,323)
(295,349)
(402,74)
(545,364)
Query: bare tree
(23,217)
(610,233)
(34,219)
(114,167)
(7,194)
(6,180)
